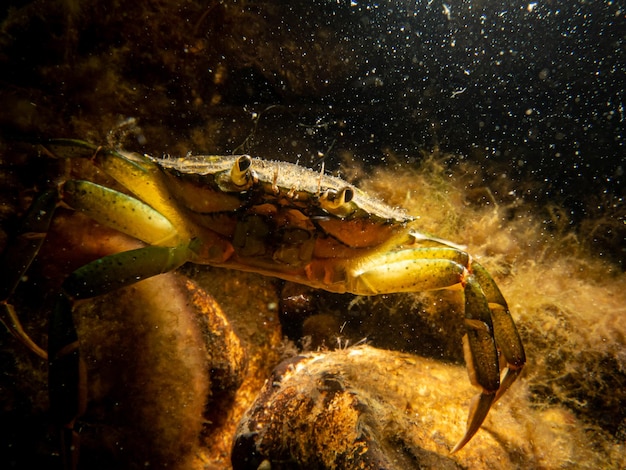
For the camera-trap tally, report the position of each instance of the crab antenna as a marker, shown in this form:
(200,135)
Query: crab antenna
(319,181)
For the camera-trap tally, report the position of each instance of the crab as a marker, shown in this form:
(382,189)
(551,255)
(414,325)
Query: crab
(273,218)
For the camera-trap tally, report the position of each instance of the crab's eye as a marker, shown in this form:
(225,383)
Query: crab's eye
(348,195)
(338,202)
(241,174)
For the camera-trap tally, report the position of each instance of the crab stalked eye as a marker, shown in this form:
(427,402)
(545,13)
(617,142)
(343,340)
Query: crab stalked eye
(347,195)
(338,202)
(241,173)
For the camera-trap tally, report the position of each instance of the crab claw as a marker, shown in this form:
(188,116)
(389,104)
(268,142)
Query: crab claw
(479,407)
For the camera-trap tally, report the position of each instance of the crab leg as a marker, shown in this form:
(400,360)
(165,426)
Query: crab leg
(481,357)
(16,259)
(490,328)
(67,387)
(504,329)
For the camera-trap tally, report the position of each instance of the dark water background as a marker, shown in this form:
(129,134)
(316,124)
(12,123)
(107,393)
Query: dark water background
(532,90)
